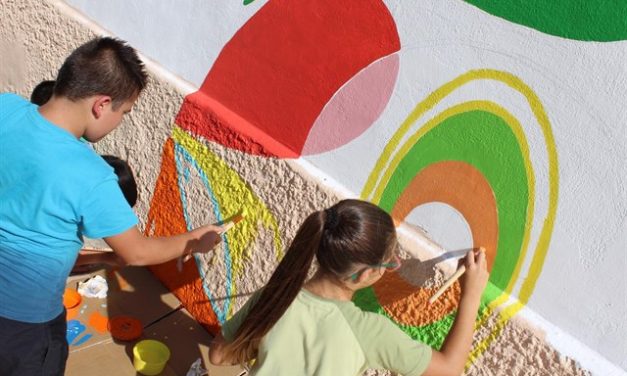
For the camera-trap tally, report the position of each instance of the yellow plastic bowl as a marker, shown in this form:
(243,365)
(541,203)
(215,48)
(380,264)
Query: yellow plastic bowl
(150,357)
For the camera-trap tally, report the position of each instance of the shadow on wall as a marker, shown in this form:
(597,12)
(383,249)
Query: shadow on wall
(418,272)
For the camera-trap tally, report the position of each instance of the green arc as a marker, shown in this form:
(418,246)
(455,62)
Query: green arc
(485,141)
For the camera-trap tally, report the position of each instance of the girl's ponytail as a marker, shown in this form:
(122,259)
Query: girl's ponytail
(280,291)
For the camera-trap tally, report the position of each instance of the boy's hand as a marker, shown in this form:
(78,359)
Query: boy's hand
(476,277)
(206,238)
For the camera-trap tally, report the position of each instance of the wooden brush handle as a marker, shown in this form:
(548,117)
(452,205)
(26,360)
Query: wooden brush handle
(448,283)
(226,227)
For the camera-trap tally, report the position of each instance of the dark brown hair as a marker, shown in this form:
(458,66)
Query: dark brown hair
(348,234)
(42,92)
(126,180)
(102,66)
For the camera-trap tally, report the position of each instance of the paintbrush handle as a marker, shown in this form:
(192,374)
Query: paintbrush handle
(448,283)
(97,249)
(225,227)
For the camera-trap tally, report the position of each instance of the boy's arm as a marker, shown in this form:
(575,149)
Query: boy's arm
(136,249)
(451,358)
(86,257)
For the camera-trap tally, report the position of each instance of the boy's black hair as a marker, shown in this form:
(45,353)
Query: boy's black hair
(125,178)
(42,92)
(102,66)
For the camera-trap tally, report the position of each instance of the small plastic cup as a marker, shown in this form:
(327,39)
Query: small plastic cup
(71,298)
(150,357)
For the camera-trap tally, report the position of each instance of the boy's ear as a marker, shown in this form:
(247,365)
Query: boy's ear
(99,104)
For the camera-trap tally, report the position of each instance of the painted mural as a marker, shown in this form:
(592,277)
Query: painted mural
(585,21)
(298,66)
(473,156)
(186,165)
(481,111)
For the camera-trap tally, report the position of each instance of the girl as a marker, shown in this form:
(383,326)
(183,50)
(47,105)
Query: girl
(295,328)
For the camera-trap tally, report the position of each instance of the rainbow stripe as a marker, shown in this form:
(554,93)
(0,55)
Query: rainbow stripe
(459,157)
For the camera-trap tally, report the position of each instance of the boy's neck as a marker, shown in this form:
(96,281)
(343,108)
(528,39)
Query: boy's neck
(329,288)
(66,114)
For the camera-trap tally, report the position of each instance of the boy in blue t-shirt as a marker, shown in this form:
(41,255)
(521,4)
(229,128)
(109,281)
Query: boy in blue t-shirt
(89,259)
(54,189)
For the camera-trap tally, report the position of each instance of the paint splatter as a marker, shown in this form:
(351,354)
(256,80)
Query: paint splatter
(74,329)
(98,321)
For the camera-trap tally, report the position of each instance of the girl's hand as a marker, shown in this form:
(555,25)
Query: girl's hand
(475,279)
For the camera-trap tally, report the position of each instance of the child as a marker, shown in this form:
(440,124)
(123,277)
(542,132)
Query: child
(41,94)
(312,328)
(54,189)
(88,259)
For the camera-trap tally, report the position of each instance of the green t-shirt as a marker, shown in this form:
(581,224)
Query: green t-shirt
(318,336)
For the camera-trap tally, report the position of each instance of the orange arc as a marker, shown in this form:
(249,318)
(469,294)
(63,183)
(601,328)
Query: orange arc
(463,187)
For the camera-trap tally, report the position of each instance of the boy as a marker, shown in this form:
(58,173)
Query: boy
(54,189)
(87,259)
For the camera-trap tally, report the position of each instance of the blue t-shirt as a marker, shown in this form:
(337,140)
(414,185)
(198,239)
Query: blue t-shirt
(53,190)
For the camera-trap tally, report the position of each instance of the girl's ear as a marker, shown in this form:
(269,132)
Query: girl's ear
(366,277)
(99,104)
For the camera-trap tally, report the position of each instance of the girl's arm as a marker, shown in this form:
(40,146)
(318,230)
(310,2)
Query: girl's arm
(217,357)
(451,358)
(217,353)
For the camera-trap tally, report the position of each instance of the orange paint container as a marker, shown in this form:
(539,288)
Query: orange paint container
(71,298)
(125,328)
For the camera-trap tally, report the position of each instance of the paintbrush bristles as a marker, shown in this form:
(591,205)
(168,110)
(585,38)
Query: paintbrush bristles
(237,219)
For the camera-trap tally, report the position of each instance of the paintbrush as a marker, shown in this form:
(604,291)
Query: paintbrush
(450,281)
(178,308)
(226,226)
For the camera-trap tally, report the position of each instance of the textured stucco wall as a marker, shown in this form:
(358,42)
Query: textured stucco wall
(187,176)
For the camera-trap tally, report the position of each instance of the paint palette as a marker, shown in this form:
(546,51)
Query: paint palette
(71,298)
(125,328)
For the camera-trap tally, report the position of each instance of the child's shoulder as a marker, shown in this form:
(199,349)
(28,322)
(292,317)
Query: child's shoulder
(9,102)
(11,96)
(11,99)
(363,320)
(78,165)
